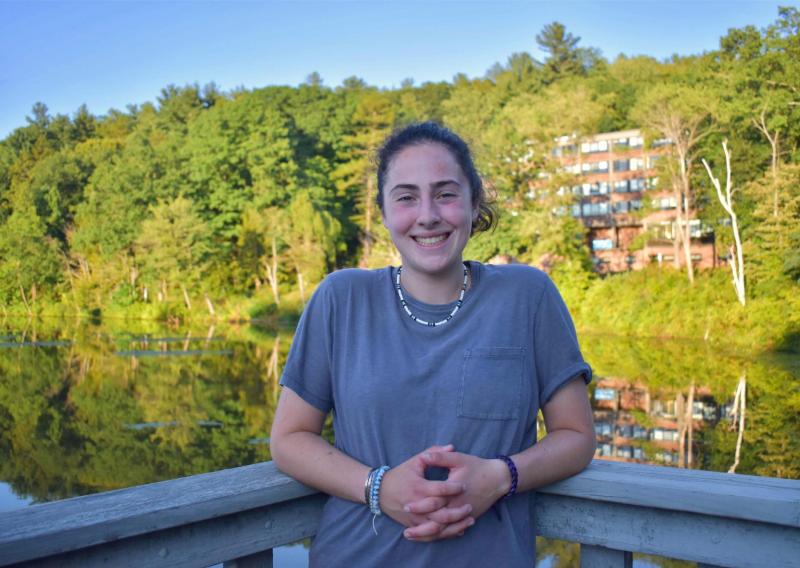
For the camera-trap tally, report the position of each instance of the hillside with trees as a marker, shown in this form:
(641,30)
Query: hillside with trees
(234,205)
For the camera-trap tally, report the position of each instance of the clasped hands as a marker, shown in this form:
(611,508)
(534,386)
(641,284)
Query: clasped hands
(433,510)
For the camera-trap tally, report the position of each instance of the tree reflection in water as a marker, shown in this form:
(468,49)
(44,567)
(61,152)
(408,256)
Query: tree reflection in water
(105,408)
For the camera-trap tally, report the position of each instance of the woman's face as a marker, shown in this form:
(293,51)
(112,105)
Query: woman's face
(427,208)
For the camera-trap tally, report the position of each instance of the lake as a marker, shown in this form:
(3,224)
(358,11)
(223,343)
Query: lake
(89,407)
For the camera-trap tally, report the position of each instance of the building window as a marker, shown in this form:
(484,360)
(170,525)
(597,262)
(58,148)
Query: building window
(659,142)
(595,209)
(627,206)
(621,165)
(594,167)
(637,184)
(602,244)
(605,394)
(635,141)
(636,164)
(621,186)
(576,210)
(593,147)
(665,203)
(652,183)
(653,160)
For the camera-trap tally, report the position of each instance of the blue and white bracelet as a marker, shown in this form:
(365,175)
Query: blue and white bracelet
(373,489)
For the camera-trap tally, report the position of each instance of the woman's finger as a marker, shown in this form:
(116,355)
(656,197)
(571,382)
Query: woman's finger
(427,530)
(456,529)
(442,459)
(426,505)
(451,515)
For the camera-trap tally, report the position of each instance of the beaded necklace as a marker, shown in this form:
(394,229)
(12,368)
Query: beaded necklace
(430,323)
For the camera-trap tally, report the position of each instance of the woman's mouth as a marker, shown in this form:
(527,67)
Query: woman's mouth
(431,241)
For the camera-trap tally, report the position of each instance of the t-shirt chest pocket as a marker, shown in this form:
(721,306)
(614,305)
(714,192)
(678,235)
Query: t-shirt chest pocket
(491,383)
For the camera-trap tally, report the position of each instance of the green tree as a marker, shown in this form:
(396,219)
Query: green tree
(30,261)
(172,246)
(355,177)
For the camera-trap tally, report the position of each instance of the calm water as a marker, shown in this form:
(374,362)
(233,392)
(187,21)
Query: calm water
(89,408)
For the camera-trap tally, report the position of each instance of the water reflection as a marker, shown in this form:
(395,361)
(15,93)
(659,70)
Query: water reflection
(91,408)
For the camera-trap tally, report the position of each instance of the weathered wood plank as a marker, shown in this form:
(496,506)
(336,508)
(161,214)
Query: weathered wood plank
(736,496)
(71,524)
(601,557)
(686,536)
(202,544)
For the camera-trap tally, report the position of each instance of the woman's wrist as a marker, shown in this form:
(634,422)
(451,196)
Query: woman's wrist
(502,474)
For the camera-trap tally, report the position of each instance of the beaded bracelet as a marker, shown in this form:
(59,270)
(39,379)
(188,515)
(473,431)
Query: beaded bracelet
(512,467)
(375,489)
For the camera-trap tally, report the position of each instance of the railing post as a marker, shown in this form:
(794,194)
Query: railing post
(257,560)
(601,557)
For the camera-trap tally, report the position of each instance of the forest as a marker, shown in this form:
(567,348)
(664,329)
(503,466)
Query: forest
(234,205)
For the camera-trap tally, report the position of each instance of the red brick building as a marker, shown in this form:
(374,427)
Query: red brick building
(618,197)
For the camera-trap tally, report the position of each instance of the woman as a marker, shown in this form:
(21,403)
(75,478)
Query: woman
(436,369)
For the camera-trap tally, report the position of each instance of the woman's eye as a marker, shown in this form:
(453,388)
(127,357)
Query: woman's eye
(447,195)
(404,198)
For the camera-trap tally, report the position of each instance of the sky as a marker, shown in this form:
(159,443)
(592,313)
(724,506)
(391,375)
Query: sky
(114,53)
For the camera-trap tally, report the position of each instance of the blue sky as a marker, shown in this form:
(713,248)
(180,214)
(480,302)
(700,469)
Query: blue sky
(113,53)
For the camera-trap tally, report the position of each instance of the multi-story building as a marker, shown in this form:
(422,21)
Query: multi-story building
(619,198)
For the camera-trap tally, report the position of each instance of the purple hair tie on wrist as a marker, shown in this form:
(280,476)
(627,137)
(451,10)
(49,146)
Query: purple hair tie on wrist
(512,467)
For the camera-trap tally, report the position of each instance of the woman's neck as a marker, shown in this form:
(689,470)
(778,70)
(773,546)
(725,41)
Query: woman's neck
(441,288)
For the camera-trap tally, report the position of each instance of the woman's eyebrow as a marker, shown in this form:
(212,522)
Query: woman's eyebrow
(434,185)
(438,184)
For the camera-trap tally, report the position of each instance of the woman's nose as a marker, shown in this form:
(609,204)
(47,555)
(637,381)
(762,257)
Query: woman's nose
(428,212)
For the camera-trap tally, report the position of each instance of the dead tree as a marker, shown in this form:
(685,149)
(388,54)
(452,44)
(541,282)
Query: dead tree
(726,199)
(774,141)
(271,270)
(739,409)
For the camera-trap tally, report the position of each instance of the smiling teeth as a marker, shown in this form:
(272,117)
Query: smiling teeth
(430,240)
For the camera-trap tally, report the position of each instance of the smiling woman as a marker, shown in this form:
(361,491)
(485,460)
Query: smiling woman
(435,424)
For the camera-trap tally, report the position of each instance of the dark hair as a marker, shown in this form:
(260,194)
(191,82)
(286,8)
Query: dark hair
(431,132)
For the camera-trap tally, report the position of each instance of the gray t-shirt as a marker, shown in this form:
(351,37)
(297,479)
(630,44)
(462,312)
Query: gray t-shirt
(397,387)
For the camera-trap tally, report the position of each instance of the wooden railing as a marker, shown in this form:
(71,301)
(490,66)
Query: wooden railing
(238,516)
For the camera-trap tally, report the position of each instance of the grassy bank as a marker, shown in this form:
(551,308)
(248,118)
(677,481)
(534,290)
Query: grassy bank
(661,303)
(655,302)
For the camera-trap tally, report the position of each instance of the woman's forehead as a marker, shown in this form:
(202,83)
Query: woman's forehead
(428,159)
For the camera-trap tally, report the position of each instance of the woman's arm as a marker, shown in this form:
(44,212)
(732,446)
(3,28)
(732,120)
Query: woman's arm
(567,448)
(300,451)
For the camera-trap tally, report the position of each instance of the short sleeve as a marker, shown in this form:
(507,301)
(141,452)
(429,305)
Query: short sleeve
(308,367)
(557,356)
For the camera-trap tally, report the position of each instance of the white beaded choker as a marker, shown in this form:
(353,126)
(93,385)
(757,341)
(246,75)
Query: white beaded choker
(430,323)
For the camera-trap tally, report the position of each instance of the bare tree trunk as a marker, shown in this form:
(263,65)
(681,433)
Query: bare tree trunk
(726,199)
(680,414)
(271,270)
(368,207)
(301,283)
(689,426)
(774,142)
(25,301)
(144,293)
(273,370)
(683,215)
(186,297)
(739,409)
(210,306)
(164,290)
(210,334)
